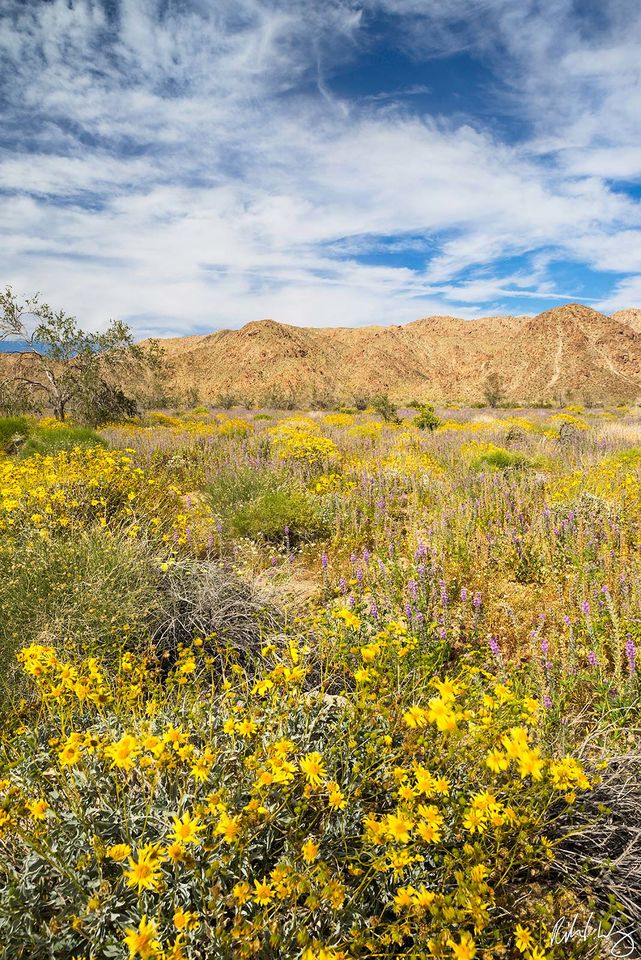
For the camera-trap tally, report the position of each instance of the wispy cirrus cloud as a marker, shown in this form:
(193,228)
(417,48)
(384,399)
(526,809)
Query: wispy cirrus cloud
(190,166)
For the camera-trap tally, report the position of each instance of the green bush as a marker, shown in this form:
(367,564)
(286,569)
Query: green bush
(230,488)
(498,458)
(387,410)
(103,404)
(278,517)
(426,419)
(261,504)
(11,428)
(50,440)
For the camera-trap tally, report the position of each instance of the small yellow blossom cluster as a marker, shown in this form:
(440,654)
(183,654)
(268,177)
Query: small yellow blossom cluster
(60,681)
(332,483)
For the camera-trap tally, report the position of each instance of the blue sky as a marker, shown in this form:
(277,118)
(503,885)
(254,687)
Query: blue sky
(188,165)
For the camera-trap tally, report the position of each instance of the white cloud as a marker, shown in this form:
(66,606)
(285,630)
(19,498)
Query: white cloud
(195,169)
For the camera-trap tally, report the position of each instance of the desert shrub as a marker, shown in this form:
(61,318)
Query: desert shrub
(342,419)
(488,455)
(598,843)
(240,816)
(226,401)
(280,399)
(384,406)
(13,432)
(322,400)
(426,419)
(304,446)
(493,389)
(231,487)
(93,590)
(263,416)
(280,517)
(233,427)
(206,599)
(104,403)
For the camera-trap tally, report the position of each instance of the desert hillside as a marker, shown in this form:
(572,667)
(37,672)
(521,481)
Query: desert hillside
(570,351)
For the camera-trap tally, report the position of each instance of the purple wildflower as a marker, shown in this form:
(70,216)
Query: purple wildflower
(325,561)
(463,594)
(631,654)
(592,660)
(585,607)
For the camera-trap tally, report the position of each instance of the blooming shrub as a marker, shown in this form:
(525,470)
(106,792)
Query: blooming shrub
(338,419)
(263,820)
(54,495)
(368,431)
(489,455)
(233,427)
(304,447)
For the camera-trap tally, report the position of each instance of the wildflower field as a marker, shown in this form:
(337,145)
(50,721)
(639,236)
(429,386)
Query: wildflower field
(315,686)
